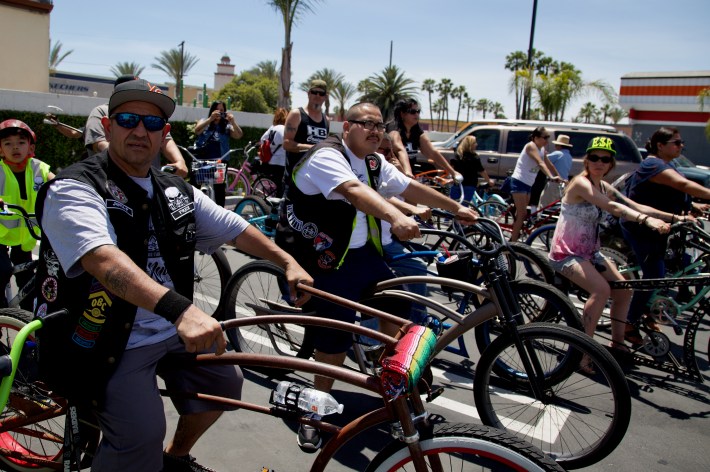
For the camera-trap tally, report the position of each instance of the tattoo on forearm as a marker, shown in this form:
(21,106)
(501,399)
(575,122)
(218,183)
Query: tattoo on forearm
(117,282)
(290,128)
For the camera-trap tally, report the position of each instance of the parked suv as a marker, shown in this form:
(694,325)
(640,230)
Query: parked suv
(500,143)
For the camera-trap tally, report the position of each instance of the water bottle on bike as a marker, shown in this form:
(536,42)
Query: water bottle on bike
(292,395)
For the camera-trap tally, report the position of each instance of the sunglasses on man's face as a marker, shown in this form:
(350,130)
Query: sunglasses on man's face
(318,92)
(413,111)
(597,158)
(131,120)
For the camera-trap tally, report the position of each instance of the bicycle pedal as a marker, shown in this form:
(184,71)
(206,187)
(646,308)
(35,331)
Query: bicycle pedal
(434,393)
(677,330)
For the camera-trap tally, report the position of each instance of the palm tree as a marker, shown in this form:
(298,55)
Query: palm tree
(588,112)
(704,96)
(514,62)
(331,79)
(386,88)
(617,114)
(170,63)
(458,94)
(127,68)
(496,108)
(56,57)
(444,88)
(429,86)
(291,11)
(342,93)
(266,69)
(606,111)
(438,108)
(482,105)
(470,104)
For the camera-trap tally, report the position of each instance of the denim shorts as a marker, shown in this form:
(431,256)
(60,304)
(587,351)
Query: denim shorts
(563,266)
(518,186)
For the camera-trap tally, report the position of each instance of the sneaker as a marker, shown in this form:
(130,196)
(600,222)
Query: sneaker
(308,438)
(186,463)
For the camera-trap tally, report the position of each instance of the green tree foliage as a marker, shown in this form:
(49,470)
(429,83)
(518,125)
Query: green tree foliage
(266,69)
(127,68)
(169,62)
(291,11)
(384,89)
(251,93)
(342,93)
(56,57)
(429,86)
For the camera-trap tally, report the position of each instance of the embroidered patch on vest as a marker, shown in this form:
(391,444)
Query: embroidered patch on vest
(309,231)
(322,242)
(293,220)
(116,205)
(49,289)
(52,263)
(179,203)
(326,259)
(42,310)
(92,320)
(372,162)
(116,192)
(38,183)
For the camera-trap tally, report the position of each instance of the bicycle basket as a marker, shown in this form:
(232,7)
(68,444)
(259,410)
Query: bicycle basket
(457,267)
(204,172)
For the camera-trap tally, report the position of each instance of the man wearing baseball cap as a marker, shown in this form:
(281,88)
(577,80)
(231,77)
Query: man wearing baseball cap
(561,158)
(117,253)
(305,128)
(95,138)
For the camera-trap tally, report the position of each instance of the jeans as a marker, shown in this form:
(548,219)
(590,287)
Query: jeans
(407,266)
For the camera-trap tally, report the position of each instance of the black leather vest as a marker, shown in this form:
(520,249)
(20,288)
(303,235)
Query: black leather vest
(79,352)
(314,230)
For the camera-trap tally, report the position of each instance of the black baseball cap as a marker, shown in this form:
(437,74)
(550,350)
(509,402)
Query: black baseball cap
(140,90)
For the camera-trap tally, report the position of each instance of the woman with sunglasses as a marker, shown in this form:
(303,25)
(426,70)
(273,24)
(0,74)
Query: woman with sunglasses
(574,251)
(658,184)
(532,159)
(408,139)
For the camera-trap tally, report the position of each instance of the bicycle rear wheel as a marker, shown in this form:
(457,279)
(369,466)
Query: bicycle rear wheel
(579,418)
(210,277)
(264,187)
(33,445)
(252,283)
(234,180)
(541,238)
(255,210)
(457,447)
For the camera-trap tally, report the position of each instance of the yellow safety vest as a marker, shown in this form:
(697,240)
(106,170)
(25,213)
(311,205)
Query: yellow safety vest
(13,230)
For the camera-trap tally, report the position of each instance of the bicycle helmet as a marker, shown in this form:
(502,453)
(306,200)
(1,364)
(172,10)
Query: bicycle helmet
(602,143)
(16,124)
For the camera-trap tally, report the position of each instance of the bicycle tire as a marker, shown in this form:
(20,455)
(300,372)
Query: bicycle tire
(539,302)
(462,446)
(499,212)
(541,238)
(233,178)
(35,446)
(255,280)
(210,277)
(264,187)
(583,417)
(252,207)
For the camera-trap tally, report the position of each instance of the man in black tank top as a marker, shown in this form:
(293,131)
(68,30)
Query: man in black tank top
(305,127)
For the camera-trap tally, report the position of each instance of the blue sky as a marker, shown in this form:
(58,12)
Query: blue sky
(464,40)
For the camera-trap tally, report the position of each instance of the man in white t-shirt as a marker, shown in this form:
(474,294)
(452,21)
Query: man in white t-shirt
(328,222)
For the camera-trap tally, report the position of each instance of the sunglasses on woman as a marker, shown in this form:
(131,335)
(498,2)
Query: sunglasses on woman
(131,120)
(597,158)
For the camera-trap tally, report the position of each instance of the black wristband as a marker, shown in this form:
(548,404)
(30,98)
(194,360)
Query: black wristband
(171,306)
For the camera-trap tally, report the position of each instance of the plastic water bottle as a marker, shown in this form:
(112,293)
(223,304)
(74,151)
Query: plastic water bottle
(291,394)
(240,189)
(440,257)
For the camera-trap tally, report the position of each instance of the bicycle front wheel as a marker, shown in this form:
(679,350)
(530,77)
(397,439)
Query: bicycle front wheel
(33,444)
(264,187)
(210,277)
(457,447)
(576,417)
(254,283)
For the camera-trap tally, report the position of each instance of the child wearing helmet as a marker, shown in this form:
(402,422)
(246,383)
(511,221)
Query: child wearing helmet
(575,248)
(21,177)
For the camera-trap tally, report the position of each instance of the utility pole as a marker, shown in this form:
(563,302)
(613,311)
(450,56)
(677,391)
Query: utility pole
(391,45)
(180,72)
(528,90)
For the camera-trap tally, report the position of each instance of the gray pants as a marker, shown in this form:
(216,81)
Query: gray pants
(133,421)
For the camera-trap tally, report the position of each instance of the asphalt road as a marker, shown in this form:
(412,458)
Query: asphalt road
(669,430)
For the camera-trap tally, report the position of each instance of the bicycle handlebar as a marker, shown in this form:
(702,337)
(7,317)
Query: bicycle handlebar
(19,211)
(487,226)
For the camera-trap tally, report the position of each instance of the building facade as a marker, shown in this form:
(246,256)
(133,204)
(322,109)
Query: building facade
(655,99)
(25,64)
